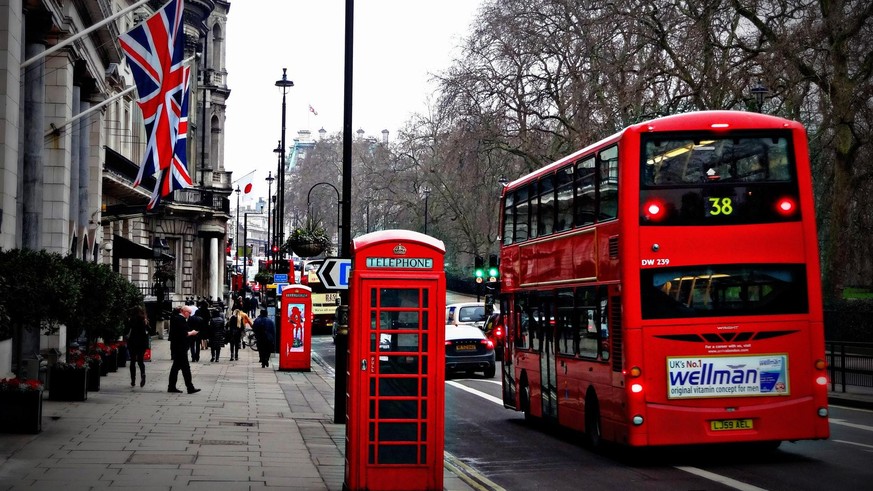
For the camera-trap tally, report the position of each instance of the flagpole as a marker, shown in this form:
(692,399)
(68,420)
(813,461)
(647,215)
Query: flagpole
(81,34)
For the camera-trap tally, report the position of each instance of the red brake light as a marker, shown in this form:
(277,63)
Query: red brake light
(487,342)
(786,206)
(654,210)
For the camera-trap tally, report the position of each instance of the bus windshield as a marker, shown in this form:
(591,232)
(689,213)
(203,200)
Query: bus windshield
(708,291)
(710,160)
(711,179)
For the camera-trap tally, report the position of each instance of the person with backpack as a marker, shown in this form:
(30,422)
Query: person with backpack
(235,326)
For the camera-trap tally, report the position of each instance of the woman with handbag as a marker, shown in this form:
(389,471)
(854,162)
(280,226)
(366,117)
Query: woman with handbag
(137,342)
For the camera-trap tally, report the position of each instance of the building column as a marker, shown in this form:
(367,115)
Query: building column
(32,173)
(214,267)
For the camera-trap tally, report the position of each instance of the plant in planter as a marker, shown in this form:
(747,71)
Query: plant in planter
(93,362)
(69,381)
(20,406)
(308,240)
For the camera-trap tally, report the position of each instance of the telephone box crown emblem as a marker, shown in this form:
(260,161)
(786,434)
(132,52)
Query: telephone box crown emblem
(399,250)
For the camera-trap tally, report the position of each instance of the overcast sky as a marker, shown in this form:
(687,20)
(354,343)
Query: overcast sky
(397,45)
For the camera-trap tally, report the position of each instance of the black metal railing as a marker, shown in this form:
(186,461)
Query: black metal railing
(849,363)
(149,289)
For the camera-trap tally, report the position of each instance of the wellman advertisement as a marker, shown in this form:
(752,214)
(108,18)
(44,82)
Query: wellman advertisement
(727,376)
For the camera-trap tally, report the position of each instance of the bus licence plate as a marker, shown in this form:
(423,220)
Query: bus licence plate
(731,424)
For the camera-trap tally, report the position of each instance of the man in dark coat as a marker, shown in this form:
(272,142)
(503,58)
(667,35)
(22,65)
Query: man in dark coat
(265,332)
(199,322)
(180,332)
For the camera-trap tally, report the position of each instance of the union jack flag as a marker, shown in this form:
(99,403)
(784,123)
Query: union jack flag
(155,52)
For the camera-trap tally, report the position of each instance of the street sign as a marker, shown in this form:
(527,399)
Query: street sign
(334,273)
(280,278)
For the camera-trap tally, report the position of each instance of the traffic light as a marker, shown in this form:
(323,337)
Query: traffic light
(479,271)
(492,268)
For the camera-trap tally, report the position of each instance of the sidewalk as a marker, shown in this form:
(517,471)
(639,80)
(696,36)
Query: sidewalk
(250,428)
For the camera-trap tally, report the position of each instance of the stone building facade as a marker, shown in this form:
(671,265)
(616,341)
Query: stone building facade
(72,138)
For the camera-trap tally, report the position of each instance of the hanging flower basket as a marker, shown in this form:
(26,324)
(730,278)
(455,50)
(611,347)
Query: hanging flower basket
(306,249)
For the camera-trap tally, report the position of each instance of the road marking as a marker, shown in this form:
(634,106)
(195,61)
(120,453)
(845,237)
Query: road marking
(843,422)
(469,475)
(483,395)
(720,479)
(854,443)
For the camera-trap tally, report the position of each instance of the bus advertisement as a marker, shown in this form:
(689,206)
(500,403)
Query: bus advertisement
(688,309)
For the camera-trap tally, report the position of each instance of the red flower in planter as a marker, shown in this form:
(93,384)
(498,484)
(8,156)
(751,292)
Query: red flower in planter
(19,385)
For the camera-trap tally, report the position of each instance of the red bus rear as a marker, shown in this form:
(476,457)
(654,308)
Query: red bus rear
(662,286)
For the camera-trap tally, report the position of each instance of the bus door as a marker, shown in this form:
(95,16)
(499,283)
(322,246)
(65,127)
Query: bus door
(508,365)
(545,325)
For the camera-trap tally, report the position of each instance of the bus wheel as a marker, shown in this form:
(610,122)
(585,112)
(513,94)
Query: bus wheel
(593,430)
(525,401)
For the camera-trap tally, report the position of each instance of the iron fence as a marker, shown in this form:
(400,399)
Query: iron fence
(849,363)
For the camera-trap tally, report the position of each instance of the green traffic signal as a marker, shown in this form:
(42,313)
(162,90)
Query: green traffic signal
(480,273)
(492,272)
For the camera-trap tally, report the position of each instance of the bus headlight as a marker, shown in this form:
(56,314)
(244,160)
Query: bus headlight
(823,412)
(637,420)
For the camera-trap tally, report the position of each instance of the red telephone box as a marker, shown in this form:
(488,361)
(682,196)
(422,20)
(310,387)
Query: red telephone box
(295,349)
(396,370)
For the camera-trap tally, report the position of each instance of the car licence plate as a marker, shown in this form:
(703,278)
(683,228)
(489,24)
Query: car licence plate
(465,347)
(731,424)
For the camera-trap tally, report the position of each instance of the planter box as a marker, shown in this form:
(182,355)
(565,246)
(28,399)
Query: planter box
(68,385)
(93,378)
(122,356)
(110,364)
(21,412)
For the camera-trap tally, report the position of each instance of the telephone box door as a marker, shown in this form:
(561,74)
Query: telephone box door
(295,340)
(396,371)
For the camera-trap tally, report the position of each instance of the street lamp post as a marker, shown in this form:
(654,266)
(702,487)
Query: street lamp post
(339,203)
(236,229)
(269,247)
(284,83)
(276,214)
(426,192)
(759,91)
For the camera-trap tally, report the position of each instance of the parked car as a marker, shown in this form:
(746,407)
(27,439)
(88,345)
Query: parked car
(468,350)
(495,331)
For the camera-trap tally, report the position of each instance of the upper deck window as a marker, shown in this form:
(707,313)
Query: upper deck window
(714,179)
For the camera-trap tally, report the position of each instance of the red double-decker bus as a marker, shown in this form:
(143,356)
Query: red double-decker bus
(662,286)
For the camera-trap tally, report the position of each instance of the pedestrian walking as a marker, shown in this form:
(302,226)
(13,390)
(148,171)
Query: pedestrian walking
(216,335)
(236,325)
(181,332)
(200,322)
(265,332)
(252,307)
(137,329)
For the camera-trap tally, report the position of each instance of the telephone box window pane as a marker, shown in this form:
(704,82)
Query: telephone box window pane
(423,436)
(398,454)
(373,343)
(424,387)
(373,319)
(423,450)
(398,432)
(398,364)
(424,365)
(424,409)
(399,297)
(425,299)
(372,431)
(372,387)
(394,409)
(371,454)
(372,408)
(390,386)
(373,296)
(425,321)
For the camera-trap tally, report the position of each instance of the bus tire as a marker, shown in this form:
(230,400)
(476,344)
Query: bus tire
(593,428)
(524,402)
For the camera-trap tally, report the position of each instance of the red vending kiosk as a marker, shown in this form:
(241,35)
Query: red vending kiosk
(396,370)
(295,349)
